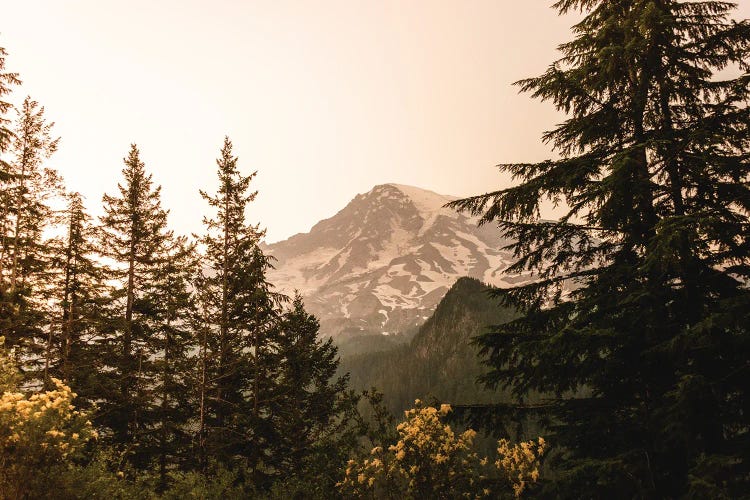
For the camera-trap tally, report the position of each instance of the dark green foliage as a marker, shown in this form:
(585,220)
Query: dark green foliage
(79,295)
(440,361)
(310,399)
(24,255)
(166,437)
(646,361)
(236,312)
(135,239)
(7,82)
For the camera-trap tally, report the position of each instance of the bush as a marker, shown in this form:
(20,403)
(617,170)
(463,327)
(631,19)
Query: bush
(429,460)
(39,433)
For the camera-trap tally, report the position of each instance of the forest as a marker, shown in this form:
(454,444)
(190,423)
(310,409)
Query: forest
(139,363)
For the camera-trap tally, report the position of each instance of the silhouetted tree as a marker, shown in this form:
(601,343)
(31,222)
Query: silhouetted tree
(237,308)
(24,258)
(79,294)
(165,436)
(135,240)
(645,362)
(309,395)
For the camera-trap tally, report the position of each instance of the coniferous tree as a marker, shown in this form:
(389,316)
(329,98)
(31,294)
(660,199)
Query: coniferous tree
(310,398)
(7,82)
(171,407)
(645,362)
(79,292)
(135,238)
(236,311)
(24,258)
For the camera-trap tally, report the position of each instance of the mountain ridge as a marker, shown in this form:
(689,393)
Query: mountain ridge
(441,360)
(383,262)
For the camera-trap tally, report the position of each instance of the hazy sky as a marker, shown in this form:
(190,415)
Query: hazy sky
(325,98)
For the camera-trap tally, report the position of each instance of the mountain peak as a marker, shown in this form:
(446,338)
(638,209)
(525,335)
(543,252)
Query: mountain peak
(424,199)
(384,261)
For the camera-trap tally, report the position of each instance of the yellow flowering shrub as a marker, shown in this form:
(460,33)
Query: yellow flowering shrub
(430,460)
(520,463)
(37,431)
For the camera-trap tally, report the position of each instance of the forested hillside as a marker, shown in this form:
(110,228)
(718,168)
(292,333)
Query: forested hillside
(440,361)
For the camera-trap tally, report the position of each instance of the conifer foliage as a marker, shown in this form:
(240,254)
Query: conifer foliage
(7,82)
(645,361)
(309,395)
(79,294)
(237,312)
(24,258)
(135,235)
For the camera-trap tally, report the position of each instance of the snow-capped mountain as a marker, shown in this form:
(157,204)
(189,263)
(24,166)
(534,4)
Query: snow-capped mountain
(383,263)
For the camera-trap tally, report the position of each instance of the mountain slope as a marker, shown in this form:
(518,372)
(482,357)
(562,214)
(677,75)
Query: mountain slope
(440,360)
(382,264)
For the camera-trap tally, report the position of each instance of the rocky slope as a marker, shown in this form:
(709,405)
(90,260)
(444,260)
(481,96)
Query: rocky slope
(384,262)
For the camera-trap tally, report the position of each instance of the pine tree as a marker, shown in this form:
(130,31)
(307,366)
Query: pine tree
(24,258)
(135,238)
(7,82)
(310,398)
(236,309)
(79,293)
(166,419)
(645,361)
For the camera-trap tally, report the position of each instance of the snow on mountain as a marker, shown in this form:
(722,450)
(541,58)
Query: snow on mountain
(383,262)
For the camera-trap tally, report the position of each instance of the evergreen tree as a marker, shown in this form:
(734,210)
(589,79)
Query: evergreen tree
(7,82)
(79,292)
(309,397)
(165,437)
(24,257)
(645,362)
(135,238)
(236,310)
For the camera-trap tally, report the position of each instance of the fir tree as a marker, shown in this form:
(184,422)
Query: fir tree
(7,82)
(135,237)
(236,310)
(645,361)
(79,293)
(24,257)
(166,419)
(310,398)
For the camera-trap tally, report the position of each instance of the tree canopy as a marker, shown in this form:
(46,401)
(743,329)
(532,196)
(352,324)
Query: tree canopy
(636,328)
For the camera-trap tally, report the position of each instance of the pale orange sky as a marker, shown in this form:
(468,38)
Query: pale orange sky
(325,98)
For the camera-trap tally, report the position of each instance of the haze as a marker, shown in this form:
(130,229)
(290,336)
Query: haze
(325,99)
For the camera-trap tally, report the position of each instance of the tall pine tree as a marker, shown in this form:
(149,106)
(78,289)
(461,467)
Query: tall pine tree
(7,82)
(79,293)
(135,238)
(169,411)
(237,309)
(646,361)
(24,256)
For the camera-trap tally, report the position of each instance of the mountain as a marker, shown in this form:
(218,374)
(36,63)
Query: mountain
(382,263)
(440,360)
